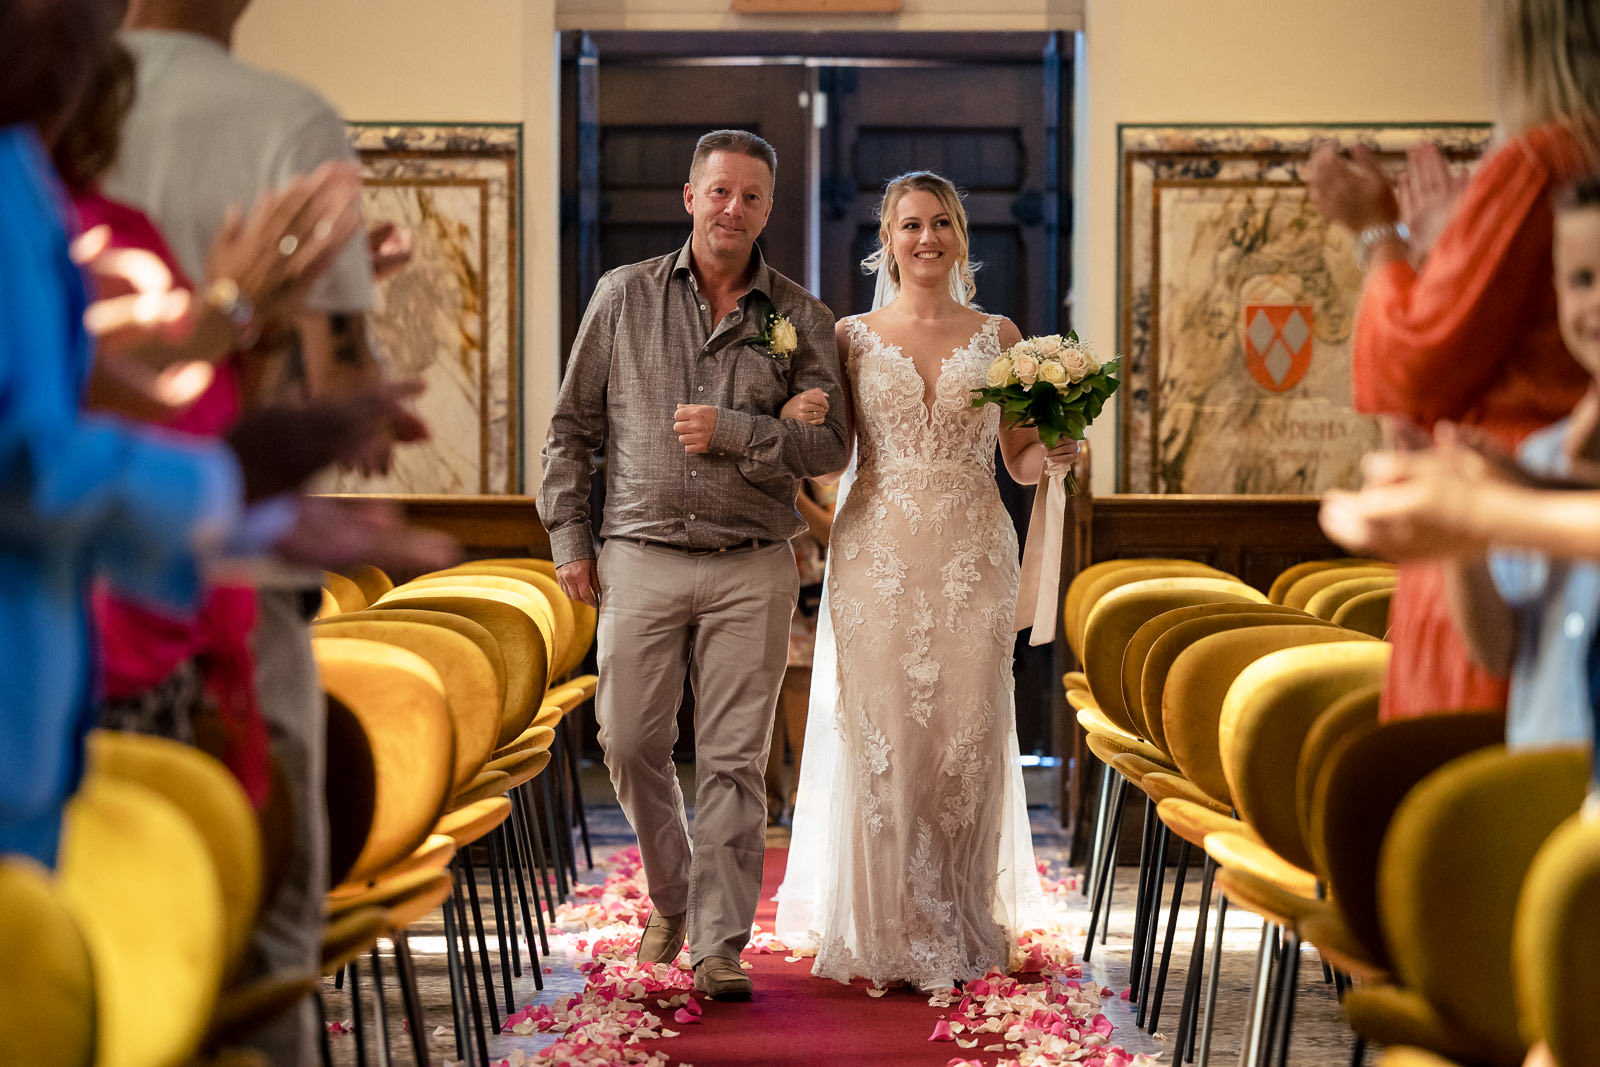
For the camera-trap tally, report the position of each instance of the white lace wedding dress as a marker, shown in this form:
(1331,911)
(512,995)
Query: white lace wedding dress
(911,857)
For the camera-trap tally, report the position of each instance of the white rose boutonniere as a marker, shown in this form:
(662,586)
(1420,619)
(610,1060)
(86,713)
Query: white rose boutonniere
(778,337)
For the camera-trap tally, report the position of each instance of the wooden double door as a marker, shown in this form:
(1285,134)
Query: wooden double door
(845,113)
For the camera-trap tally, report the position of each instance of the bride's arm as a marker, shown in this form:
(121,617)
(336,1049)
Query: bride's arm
(841,341)
(1026,458)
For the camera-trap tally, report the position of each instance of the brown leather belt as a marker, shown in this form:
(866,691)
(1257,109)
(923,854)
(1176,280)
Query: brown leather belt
(743,546)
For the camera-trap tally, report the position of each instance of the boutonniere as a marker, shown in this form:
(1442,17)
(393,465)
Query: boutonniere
(777,338)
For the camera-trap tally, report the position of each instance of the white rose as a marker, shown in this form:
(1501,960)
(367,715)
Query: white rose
(1048,346)
(1076,362)
(1000,372)
(1027,368)
(1051,370)
(784,338)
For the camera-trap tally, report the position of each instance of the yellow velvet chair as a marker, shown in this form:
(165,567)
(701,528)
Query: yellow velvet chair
(47,992)
(1367,612)
(1282,583)
(1300,593)
(1327,601)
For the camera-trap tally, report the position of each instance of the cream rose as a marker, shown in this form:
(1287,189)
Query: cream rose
(1076,362)
(1053,372)
(1048,346)
(1000,372)
(1027,369)
(783,337)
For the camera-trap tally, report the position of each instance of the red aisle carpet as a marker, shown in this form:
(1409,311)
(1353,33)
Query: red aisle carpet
(797,1018)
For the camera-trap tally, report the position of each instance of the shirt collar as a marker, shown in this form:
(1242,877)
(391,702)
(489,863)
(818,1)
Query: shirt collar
(760,281)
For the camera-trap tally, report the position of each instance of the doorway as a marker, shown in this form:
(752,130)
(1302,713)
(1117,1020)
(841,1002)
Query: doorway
(845,113)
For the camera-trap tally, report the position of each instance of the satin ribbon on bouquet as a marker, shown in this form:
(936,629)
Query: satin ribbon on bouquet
(1039,589)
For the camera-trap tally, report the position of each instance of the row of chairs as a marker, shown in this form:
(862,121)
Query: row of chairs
(1250,724)
(450,698)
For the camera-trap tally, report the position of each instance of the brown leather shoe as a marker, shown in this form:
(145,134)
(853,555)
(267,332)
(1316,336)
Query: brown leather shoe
(662,938)
(721,978)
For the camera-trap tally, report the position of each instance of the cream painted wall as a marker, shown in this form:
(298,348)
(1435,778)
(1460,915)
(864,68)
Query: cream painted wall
(1222,61)
(1235,61)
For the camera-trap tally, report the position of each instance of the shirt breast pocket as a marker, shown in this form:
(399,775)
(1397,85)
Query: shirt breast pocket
(760,382)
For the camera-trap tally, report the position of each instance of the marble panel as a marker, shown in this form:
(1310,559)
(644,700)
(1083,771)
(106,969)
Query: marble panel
(1237,302)
(453,317)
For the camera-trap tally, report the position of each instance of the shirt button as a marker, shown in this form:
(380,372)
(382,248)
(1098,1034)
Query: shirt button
(1574,625)
(694,474)
(702,307)
(691,517)
(699,388)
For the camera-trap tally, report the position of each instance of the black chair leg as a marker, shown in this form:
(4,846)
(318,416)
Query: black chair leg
(1101,814)
(469,978)
(1358,1052)
(1158,989)
(530,826)
(1189,1014)
(406,973)
(1211,984)
(1283,1025)
(532,864)
(559,847)
(1107,865)
(573,739)
(465,856)
(1149,866)
(355,1015)
(322,1030)
(516,872)
(500,874)
(385,1053)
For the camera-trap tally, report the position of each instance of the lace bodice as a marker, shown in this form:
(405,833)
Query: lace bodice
(896,428)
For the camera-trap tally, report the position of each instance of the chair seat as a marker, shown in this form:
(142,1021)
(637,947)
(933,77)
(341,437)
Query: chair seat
(351,934)
(520,767)
(1267,899)
(1135,768)
(385,894)
(1161,786)
(488,783)
(425,897)
(435,854)
(466,825)
(1193,822)
(1326,929)
(1390,1015)
(1237,851)
(1405,1056)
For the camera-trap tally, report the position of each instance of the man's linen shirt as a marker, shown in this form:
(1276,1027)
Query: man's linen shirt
(646,345)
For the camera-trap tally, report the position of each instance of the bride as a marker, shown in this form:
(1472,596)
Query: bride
(911,858)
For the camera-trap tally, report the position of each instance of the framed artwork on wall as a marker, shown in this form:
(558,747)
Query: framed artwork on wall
(1237,303)
(453,317)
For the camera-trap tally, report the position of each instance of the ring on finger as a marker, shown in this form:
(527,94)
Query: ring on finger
(287,244)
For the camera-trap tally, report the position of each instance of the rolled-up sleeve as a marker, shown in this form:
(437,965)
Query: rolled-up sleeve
(577,430)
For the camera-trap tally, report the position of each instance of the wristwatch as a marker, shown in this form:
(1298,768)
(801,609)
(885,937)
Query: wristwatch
(1369,238)
(230,301)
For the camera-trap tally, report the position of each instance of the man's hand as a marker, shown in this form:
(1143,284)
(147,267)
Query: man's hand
(810,406)
(391,248)
(1351,191)
(694,424)
(580,581)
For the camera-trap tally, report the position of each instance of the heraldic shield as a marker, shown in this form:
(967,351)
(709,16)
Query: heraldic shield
(1277,344)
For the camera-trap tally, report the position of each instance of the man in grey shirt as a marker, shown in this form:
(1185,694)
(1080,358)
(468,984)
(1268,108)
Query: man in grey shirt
(681,368)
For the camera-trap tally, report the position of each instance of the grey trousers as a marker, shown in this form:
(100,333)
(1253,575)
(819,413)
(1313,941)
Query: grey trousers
(288,936)
(730,612)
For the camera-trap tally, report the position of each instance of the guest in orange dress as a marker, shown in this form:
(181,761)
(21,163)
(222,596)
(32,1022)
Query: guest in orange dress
(1471,335)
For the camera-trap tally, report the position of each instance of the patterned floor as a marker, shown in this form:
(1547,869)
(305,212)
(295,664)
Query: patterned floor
(1320,1037)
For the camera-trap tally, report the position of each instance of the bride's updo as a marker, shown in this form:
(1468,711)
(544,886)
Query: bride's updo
(963,286)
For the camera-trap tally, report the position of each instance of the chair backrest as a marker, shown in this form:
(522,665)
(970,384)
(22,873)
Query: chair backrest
(1198,683)
(472,690)
(1266,716)
(210,797)
(346,592)
(1094,582)
(1330,598)
(1165,649)
(1355,712)
(1119,614)
(1280,584)
(511,618)
(584,617)
(472,631)
(538,605)
(142,886)
(1301,592)
(1366,612)
(1366,774)
(1554,935)
(1451,870)
(372,581)
(561,611)
(47,996)
(351,792)
(400,700)
(1138,648)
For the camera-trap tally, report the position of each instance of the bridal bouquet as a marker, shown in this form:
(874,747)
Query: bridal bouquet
(1054,383)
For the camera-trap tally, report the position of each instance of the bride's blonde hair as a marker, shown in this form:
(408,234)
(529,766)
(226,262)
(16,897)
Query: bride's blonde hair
(949,198)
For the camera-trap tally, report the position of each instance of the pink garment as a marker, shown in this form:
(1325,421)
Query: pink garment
(139,648)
